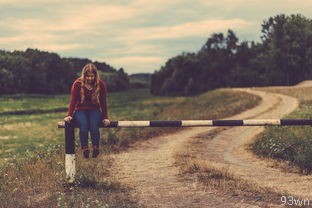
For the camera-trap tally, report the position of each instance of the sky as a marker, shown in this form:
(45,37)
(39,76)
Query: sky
(136,35)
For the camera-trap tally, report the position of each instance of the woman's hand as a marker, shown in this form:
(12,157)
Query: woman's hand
(106,122)
(68,118)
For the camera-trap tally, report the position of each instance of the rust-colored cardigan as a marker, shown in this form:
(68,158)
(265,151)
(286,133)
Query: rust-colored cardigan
(75,99)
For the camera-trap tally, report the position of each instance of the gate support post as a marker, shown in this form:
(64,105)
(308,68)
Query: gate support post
(70,160)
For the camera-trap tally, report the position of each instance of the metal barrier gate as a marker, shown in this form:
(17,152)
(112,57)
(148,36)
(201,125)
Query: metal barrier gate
(70,169)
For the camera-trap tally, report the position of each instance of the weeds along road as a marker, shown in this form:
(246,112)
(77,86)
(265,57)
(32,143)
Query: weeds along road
(150,170)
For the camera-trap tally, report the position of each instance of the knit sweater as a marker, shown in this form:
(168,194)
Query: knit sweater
(75,99)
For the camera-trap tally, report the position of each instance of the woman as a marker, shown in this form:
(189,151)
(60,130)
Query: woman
(88,108)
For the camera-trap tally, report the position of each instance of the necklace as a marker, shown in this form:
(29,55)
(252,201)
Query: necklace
(89,87)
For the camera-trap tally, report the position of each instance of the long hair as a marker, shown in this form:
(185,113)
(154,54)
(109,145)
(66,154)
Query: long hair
(90,68)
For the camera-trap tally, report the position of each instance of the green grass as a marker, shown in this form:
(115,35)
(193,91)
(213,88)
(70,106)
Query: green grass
(21,133)
(211,105)
(34,174)
(31,102)
(137,104)
(292,144)
(34,132)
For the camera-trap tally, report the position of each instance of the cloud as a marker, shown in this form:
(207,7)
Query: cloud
(138,35)
(44,41)
(154,6)
(87,16)
(60,47)
(67,28)
(77,18)
(28,37)
(28,2)
(243,4)
(145,49)
(137,59)
(136,64)
(188,29)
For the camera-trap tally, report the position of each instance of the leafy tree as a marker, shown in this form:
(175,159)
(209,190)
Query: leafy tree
(286,38)
(6,81)
(35,71)
(282,58)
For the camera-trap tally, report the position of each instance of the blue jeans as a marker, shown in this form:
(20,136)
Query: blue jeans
(88,120)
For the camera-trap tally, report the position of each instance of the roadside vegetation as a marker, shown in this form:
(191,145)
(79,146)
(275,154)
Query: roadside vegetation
(218,177)
(291,144)
(212,105)
(289,147)
(32,156)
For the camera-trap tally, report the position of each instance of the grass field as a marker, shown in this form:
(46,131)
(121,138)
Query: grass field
(33,175)
(32,102)
(292,144)
(24,133)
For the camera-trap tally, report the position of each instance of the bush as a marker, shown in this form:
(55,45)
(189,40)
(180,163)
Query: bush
(291,144)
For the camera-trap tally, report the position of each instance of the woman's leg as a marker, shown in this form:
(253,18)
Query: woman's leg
(95,117)
(81,118)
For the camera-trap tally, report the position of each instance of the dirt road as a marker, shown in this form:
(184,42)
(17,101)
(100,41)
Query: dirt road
(150,171)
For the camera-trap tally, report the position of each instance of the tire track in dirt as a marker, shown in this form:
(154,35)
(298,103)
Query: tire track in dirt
(149,168)
(230,148)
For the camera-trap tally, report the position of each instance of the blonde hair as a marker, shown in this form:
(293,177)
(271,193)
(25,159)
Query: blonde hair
(90,68)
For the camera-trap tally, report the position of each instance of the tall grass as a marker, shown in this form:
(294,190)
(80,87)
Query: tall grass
(36,177)
(292,144)
(37,181)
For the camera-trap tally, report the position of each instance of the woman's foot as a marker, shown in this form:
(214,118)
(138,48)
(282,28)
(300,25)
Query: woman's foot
(85,152)
(96,151)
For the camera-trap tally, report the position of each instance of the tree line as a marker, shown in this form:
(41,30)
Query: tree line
(35,71)
(282,57)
